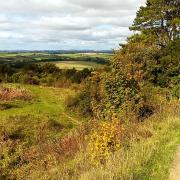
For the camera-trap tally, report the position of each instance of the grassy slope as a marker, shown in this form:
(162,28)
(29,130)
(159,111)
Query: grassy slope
(145,158)
(31,131)
(45,102)
(47,109)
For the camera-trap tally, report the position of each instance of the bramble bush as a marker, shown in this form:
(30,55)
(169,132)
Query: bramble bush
(103,141)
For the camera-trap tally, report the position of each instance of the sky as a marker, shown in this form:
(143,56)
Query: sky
(65,24)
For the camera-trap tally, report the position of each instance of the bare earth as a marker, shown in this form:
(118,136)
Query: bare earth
(175,170)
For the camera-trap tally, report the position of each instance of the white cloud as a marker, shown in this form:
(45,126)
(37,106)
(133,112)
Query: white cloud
(65,24)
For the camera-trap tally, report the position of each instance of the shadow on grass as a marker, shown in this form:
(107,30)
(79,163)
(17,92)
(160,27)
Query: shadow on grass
(6,106)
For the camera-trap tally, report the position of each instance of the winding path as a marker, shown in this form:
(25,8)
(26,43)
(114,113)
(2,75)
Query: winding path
(175,170)
(73,120)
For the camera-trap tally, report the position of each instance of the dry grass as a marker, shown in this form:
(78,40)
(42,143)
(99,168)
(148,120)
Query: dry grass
(14,93)
(146,152)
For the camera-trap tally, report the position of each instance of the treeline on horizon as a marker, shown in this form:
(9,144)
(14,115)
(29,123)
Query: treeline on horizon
(57,51)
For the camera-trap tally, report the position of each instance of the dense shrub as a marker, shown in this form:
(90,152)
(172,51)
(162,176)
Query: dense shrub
(176,91)
(81,102)
(6,71)
(47,74)
(88,99)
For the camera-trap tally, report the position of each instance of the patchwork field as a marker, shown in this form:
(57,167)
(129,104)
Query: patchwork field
(67,61)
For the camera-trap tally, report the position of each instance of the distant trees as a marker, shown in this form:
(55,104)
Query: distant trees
(44,74)
(6,71)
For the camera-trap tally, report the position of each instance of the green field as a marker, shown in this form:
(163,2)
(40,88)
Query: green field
(78,65)
(78,55)
(70,55)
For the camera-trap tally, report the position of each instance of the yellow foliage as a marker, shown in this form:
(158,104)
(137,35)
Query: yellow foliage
(103,142)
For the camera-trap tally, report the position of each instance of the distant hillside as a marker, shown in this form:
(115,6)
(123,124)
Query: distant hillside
(57,51)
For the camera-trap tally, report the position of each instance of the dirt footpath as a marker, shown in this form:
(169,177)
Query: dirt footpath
(175,169)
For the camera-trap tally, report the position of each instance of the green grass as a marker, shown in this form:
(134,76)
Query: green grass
(158,165)
(46,108)
(31,130)
(47,100)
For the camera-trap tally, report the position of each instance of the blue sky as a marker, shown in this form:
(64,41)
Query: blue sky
(65,24)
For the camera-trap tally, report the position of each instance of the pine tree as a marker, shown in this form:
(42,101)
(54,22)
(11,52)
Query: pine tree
(159,18)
